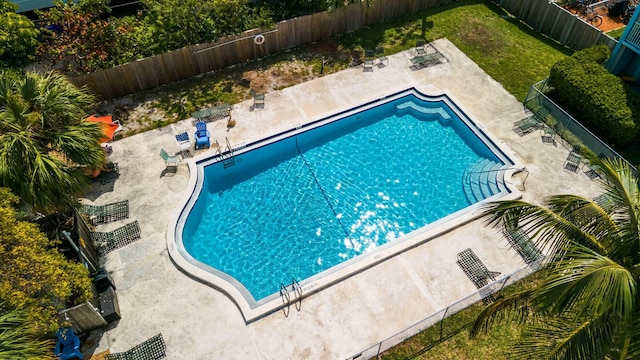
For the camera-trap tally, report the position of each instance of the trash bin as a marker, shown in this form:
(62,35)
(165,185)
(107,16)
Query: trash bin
(103,280)
(109,308)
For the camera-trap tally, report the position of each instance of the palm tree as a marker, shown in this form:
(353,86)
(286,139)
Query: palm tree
(17,340)
(44,142)
(587,305)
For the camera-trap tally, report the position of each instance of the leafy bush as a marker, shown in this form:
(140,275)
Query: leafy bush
(598,54)
(36,277)
(78,40)
(179,23)
(593,95)
(18,37)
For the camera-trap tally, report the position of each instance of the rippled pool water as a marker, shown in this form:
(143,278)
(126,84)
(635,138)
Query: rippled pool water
(297,207)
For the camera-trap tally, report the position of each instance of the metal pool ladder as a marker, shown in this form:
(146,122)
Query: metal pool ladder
(228,158)
(286,297)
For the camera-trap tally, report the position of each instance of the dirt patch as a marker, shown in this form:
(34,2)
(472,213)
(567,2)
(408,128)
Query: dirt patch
(475,33)
(611,23)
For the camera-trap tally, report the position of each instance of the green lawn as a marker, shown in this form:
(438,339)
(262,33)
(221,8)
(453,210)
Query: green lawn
(616,33)
(507,50)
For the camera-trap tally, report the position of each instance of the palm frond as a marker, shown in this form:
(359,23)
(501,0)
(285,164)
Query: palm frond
(621,187)
(588,282)
(17,340)
(516,306)
(567,339)
(14,115)
(546,228)
(41,130)
(80,144)
(627,341)
(28,87)
(6,85)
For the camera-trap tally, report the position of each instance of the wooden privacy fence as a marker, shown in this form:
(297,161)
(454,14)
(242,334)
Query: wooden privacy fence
(197,59)
(554,21)
(547,18)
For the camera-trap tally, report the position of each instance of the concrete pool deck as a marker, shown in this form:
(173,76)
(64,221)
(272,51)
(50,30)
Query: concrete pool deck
(200,322)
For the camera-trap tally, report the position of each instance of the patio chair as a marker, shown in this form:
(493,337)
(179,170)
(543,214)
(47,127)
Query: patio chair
(202,136)
(169,160)
(381,57)
(522,244)
(531,123)
(475,269)
(101,214)
(420,48)
(258,99)
(593,171)
(151,349)
(183,142)
(218,112)
(422,61)
(548,133)
(67,344)
(115,239)
(369,60)
(574,160)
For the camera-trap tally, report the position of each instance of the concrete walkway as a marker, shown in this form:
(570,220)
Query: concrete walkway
(199,322)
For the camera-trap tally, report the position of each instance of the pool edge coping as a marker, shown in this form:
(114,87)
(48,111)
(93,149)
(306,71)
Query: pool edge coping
(365,261)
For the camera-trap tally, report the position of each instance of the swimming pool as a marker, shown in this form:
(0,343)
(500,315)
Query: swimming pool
(314,201)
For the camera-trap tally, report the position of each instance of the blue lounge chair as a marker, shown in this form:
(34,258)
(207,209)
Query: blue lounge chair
(68,344)
(202,136)
(185,144)
(183,141)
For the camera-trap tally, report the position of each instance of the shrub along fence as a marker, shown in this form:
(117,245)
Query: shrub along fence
(581,135)
(148,73)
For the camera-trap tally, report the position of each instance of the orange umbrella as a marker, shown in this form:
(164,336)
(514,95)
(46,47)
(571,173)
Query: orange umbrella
(109,128)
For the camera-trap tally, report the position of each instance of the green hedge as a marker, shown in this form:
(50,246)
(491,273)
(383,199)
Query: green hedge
(593,95)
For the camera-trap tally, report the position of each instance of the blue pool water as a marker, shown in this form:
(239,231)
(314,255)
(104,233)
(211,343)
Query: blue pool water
(302,205)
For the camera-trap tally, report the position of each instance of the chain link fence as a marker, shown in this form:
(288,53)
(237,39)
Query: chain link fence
(574,132)
(441,330)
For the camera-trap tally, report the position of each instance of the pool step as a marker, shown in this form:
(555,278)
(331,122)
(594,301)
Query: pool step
(228,162)
(482,180)
(436,111)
